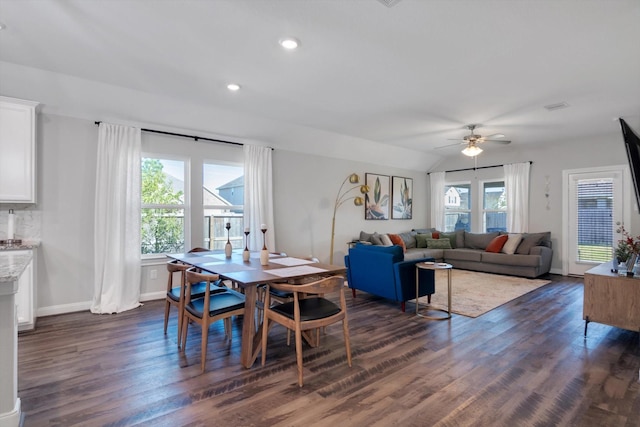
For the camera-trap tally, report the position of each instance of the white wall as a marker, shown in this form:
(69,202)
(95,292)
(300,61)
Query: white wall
(548,161)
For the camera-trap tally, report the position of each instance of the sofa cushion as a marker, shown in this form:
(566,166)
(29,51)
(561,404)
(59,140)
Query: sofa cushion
(512,260)
(530,240)
(397,240)
(512,243)
(365,237)
(421,240)
(409,239)
(463,255)
(376,239)
(455,237)
(497,243)
(394,250)
(439,243)
(478,240)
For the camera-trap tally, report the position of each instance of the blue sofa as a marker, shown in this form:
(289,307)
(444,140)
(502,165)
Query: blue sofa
(382,271)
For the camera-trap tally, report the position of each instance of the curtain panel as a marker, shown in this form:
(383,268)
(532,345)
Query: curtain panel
(516,185)
(258,195)
(436,179)
(117,220)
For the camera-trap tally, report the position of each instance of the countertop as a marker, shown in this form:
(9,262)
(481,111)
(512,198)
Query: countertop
(13,264)
(26,244)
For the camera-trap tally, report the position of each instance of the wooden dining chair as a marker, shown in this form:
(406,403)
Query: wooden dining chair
(306,314)
(209,309)
(176,295)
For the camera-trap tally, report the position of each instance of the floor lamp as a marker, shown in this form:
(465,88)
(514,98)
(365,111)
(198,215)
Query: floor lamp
(341,197)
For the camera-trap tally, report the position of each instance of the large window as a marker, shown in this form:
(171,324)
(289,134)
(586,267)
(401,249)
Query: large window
(457,207)
(494,207)
(223,202)
(163,205)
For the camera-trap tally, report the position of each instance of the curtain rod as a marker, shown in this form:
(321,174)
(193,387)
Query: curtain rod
(476,168)
(195,138)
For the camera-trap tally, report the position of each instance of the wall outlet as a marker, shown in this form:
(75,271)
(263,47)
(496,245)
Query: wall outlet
(153,274)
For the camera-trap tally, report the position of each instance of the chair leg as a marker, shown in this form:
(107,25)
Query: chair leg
(180,321)
(347,343)
(185,328)
(353,292)
(299,353)
(203,345)
(167,306)
(265,333)
(429,298)
(402,306)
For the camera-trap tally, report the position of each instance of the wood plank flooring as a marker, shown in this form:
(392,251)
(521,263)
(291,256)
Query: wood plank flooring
(525,363)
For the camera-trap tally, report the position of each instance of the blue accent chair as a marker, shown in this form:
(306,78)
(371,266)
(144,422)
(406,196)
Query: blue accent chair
(382,271)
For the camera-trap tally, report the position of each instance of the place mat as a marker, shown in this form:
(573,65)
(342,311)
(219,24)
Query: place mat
(295,271)
(290,261)
(224,267)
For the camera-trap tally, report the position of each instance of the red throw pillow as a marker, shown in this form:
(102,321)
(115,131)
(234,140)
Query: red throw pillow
(397,240)
(497,243)
(435,235)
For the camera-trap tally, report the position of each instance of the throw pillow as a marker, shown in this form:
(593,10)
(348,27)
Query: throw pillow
(435,235)
(421,240)
(397,240)
(512,243)
(386,241)
(439,243)
(453,237)
(365,237)
(409,239)
(531,240)
(376,239)
(497,243)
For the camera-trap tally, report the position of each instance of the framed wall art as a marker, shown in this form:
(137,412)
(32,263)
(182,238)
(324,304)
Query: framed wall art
(377,200)
(401,197)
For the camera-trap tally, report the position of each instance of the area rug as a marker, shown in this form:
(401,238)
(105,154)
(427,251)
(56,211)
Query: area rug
(474,294)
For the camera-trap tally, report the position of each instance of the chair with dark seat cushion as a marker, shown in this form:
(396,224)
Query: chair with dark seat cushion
(176,294)
(209,309)
(306,314)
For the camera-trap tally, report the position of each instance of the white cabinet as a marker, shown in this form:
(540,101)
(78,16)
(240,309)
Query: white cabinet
(25,298)
(17,150)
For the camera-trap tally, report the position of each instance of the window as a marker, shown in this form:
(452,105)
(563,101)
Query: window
(494,207)
(163,183)
(457,207)
(223,202)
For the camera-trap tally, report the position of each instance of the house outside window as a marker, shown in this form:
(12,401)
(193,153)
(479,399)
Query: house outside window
(494,206)
(223,202)
(164,202)
(457,207)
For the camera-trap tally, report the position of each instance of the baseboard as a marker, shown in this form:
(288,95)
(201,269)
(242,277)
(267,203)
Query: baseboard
(86,305)
(556,271)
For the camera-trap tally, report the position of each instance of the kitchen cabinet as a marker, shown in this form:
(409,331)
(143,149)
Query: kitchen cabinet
(25,297)
(18,148)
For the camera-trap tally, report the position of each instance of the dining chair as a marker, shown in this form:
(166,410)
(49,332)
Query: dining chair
(308,313)
(176,294)
(209,309)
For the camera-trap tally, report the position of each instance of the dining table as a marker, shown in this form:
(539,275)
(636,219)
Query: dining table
(248,275)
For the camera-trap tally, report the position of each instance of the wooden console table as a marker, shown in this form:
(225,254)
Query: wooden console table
(611,299)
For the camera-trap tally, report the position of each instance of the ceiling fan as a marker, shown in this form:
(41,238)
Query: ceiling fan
(473,140)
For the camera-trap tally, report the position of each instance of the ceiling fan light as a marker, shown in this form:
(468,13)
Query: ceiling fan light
(472,150)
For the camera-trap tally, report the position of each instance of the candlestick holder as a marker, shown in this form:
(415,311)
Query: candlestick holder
(245,253)
(227,247)
(264,253)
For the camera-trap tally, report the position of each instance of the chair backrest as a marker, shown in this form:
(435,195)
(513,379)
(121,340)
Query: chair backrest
(371,269)
(175,267)
(199,250)
(193,275)
(325,285)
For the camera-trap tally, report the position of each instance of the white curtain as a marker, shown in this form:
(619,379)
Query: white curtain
(258,196)
(117,220)
(437,200)
(516,185)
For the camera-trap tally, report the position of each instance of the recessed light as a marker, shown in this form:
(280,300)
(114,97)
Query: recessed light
(233,87)
(289,43)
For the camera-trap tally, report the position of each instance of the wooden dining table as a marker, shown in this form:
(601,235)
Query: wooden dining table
(247,275)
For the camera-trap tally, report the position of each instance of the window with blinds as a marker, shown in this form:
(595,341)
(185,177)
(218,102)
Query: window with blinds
(594,220)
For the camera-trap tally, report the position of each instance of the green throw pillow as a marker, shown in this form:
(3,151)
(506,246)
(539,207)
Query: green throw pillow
(421,240)
(439,243)
(452,237)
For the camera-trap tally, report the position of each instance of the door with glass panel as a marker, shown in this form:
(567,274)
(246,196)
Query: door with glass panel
(595,204)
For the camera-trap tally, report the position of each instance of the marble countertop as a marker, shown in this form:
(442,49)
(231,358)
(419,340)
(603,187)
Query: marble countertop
(26,244)
(12,265)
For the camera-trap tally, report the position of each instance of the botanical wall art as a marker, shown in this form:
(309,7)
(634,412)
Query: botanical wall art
(402,197)
(377,200)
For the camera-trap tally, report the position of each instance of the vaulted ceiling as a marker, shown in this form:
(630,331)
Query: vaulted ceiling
(408,74)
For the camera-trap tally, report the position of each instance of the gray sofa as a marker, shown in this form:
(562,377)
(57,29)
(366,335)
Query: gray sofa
(530,257)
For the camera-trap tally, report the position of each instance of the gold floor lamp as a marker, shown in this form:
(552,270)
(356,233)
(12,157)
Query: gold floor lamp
(341,198)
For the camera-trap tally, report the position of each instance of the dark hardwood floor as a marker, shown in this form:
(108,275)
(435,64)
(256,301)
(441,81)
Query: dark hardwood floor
(525,363)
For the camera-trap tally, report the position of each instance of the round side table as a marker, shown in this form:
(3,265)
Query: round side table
(434,266)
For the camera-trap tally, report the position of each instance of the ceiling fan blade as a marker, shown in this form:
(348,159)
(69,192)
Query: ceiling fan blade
(498,141)
(494,135)
(450,145)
